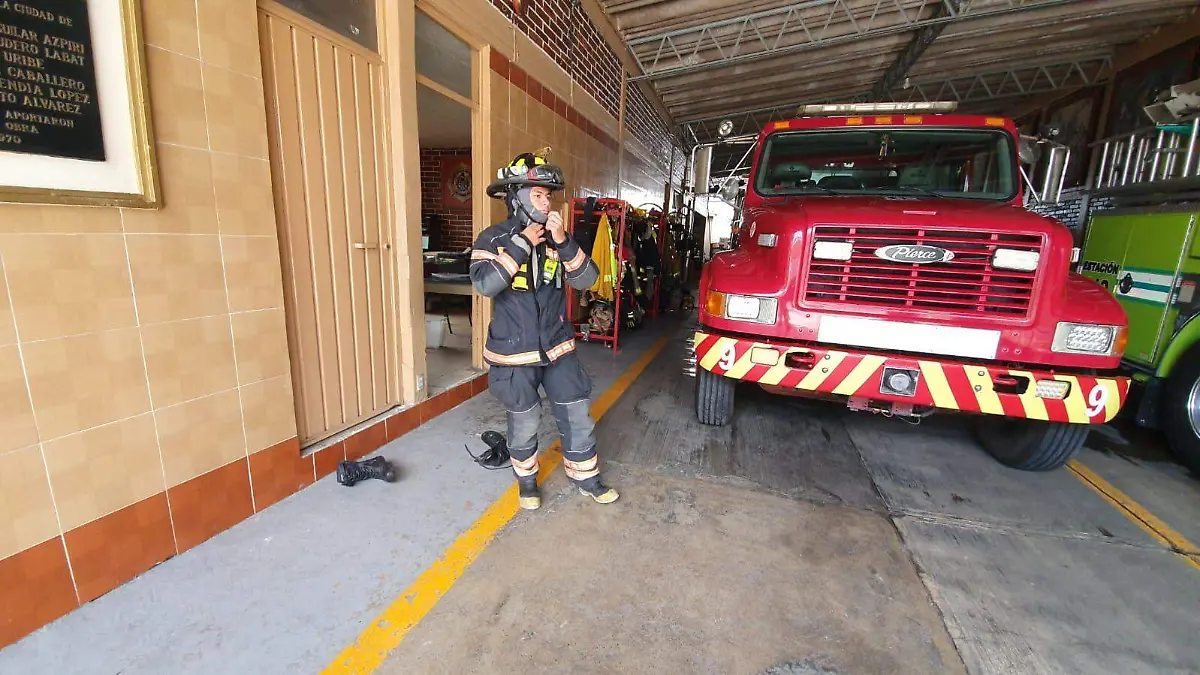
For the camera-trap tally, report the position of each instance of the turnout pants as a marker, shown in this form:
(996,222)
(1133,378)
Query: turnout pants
(567,387)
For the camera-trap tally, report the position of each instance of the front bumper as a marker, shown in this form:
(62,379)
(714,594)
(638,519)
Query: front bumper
(940,384)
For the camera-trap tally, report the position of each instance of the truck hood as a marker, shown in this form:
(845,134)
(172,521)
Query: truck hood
(919,211)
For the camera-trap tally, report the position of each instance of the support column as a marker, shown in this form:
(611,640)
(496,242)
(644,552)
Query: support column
(398,31)
(621,132)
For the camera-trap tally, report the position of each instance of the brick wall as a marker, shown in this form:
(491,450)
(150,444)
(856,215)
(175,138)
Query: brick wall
(565,32)
(456,232)
(1068,210)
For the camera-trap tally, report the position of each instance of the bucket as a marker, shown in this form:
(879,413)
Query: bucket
(435,331)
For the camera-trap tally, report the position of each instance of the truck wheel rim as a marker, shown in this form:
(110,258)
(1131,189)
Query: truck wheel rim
(1194,407)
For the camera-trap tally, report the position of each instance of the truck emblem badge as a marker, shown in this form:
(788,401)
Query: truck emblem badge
(916,254)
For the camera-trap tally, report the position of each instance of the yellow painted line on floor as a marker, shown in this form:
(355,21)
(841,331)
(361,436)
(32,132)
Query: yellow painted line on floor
(388,629)
(1152,524)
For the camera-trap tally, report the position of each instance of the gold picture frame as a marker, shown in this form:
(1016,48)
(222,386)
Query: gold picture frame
(136,166)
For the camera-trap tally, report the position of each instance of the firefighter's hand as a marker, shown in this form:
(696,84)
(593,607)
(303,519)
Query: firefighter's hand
(535,233)
(554,223)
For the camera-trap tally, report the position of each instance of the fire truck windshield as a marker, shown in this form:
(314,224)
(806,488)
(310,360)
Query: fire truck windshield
(913,161)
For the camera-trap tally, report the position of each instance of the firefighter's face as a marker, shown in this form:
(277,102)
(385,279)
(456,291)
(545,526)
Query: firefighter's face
(540,197)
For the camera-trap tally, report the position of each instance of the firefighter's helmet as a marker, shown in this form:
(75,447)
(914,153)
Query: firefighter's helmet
(526,170)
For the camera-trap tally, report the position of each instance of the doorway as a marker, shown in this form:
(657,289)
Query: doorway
(446,102)
(326,122)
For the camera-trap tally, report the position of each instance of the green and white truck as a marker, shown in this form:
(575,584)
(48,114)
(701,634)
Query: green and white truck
(1142,242)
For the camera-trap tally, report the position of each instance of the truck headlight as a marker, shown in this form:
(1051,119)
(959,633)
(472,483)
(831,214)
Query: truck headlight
(1013,259)
(741,307)
(1086,338)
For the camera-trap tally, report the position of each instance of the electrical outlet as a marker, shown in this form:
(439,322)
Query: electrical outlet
(420,383)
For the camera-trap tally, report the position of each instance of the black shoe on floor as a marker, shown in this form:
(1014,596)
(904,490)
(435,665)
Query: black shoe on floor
(350,472)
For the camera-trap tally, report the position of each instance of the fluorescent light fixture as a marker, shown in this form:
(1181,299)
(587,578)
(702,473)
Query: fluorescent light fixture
(872,108)
(833,250)
(1013,259)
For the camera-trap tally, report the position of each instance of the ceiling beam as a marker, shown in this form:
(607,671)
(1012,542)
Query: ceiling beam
(1167,37)
(908,58)
(797,27)
(977,88)
(616,43)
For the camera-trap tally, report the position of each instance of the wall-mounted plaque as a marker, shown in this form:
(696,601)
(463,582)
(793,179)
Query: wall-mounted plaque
(74,107)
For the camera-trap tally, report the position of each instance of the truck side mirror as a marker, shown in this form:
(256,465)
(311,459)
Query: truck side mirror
(729,191)
(1028,150)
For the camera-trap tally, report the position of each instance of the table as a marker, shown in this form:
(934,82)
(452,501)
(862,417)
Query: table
(450,288)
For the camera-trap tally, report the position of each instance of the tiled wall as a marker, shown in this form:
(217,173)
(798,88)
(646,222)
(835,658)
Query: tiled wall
(527,116)
(457,232)
(145,397)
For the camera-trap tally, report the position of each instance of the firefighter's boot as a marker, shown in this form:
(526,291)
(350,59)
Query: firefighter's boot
(596,489)
(530,498)
(350,472)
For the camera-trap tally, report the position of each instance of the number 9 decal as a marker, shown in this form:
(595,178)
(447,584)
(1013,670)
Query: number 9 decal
(728,357)
(1097,400)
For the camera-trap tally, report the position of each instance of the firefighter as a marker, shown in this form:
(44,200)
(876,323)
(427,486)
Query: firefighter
(523,263)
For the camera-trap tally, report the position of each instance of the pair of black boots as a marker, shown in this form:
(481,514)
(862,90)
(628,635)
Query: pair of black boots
(529,496)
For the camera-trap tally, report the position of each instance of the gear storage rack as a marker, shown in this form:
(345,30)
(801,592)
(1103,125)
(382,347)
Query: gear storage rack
(585,225)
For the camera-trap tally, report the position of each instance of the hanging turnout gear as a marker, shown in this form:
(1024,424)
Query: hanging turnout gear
(530,343)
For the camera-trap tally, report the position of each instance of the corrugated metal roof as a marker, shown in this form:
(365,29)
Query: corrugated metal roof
(709,59)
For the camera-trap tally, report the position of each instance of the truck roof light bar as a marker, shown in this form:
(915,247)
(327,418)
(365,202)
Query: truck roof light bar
(872,108)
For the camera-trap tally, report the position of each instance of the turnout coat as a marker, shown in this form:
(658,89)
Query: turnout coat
(527,285)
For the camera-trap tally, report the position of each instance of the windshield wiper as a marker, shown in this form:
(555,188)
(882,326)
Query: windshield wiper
(924,191)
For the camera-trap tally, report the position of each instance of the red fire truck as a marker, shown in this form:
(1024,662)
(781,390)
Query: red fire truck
(886,259)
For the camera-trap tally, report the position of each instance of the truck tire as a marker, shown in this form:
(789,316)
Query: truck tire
(714,398)
(1180,410)
(1030,445)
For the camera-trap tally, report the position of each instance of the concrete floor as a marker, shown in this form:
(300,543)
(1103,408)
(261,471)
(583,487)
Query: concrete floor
(801,534)
(449,365)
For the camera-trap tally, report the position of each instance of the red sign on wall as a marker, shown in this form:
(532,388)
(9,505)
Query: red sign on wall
(456,182)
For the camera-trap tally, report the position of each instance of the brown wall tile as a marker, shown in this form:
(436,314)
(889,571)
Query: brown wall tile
(171,25)
(270,415)
(102,470)
(366,441)
(17,427)
(35,589)
(187,186)
(253,273)
(188,359)
(199,436)
(210,504)
(229,35)
(26,507)
(237,114)
(177,277)
(244,200)
(326,459)
(118,547)
(67,284)
(403,422)
(28,219)
(260,342)
(176,101)
(85,381)
(278,472)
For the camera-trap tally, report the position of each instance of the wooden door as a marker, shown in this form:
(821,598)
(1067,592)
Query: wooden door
(325,113)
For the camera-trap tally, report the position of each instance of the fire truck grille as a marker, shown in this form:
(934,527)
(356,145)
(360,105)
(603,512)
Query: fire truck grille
(967,284)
